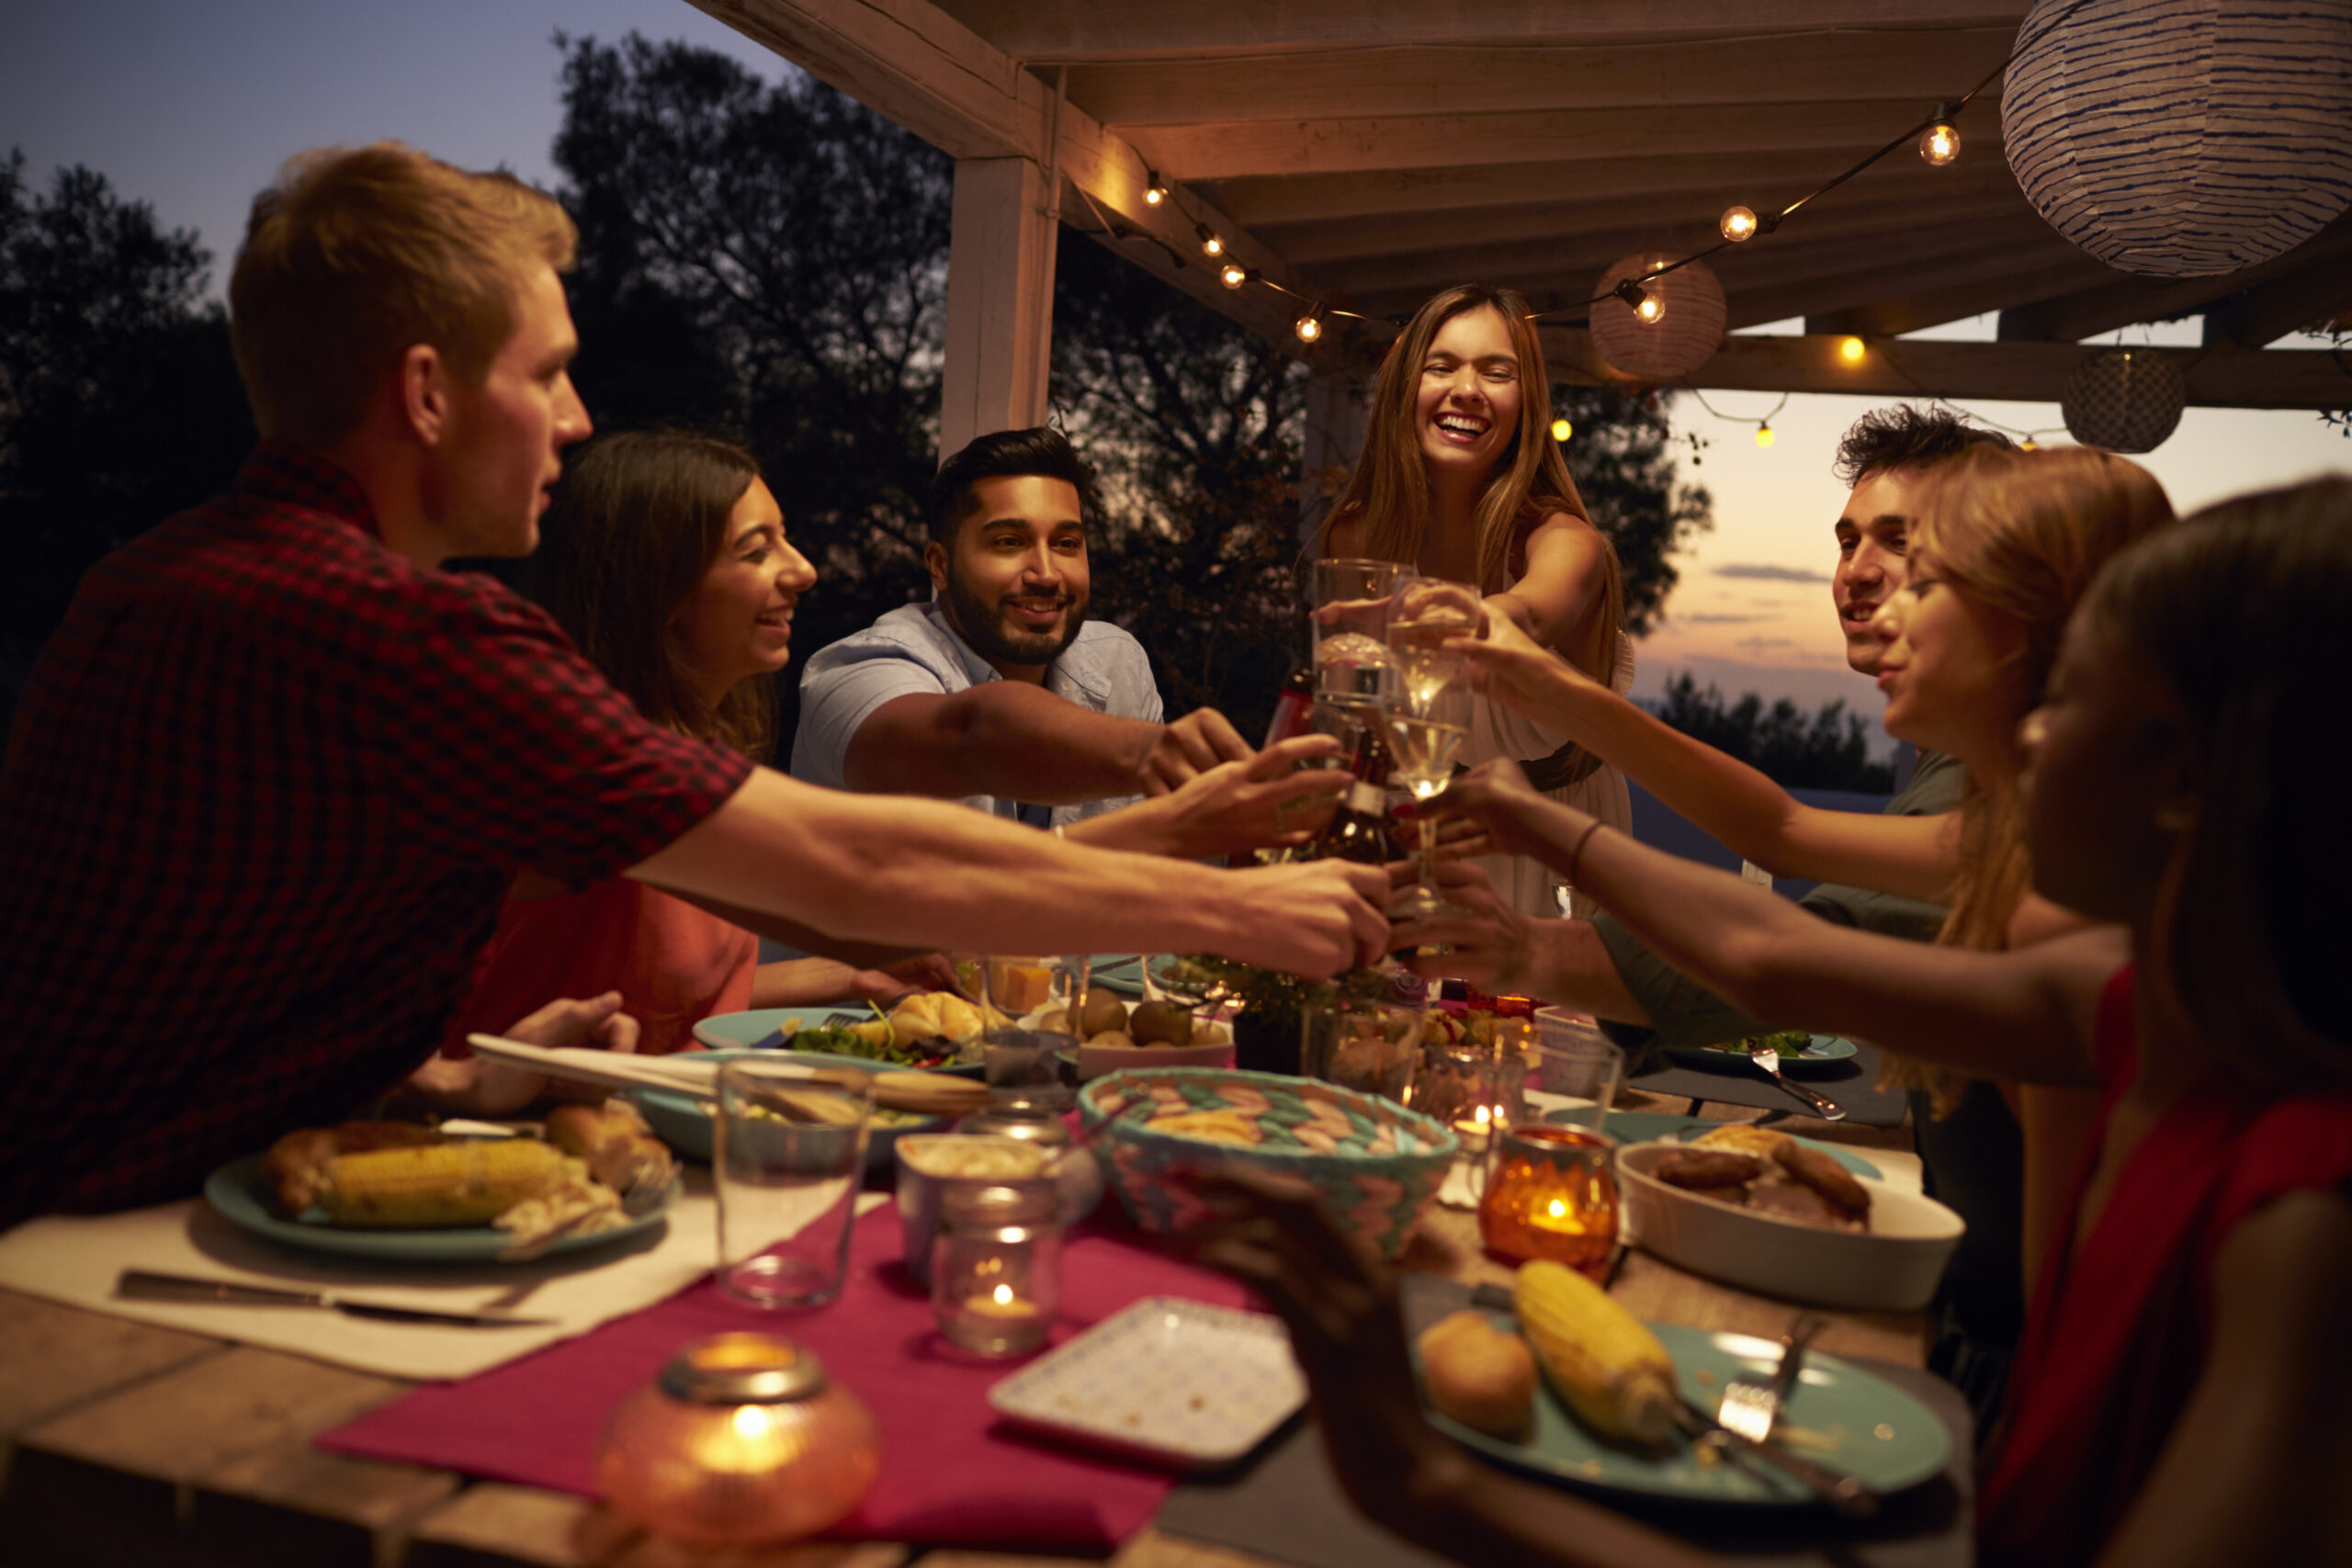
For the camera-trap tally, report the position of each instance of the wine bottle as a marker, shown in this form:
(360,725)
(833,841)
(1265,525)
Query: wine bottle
(1291,708)
(1358,831)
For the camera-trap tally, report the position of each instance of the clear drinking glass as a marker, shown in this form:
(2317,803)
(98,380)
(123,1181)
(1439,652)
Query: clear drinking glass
(1354,595)
(1575,1058)
(1425,739)
(1429,610)
(1018,985)
(1361,1033)
(789,1151)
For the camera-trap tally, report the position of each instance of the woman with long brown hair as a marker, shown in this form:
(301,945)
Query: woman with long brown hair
(1460,480)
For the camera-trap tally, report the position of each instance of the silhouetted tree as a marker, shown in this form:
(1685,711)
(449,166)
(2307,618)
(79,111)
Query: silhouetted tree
(1830,750)
(119,398)
(1620,456)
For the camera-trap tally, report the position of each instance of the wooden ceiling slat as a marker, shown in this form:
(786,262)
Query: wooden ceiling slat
(1926,65)
(1233,149)
(1818,293)
(2086,313)
(1679,222)
(1788,258)
(2024,372)
(1918,310)
(1761,180)
(1091,30)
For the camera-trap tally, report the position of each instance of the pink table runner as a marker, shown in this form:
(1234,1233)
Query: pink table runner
(949,1474)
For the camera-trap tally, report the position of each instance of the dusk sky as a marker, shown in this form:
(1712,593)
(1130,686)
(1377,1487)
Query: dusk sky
(191,107)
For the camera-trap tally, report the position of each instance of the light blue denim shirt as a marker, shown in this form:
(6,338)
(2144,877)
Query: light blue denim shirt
(913,649)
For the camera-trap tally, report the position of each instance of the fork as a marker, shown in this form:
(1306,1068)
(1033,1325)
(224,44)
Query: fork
(1751,1405)
(1769,1060)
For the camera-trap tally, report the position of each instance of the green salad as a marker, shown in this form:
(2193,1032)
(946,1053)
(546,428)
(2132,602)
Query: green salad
(1786,1042)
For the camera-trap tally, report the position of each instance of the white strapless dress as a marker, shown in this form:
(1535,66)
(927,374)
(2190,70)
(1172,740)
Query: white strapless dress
(1525,884)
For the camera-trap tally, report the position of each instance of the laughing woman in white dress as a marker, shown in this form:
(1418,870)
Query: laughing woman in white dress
(1461,479)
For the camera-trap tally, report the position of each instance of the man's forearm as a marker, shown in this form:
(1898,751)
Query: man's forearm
(1022,742)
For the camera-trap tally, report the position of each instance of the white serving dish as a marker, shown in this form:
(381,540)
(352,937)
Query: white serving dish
(1094,1061)
(1893,1267)
(1171,1380)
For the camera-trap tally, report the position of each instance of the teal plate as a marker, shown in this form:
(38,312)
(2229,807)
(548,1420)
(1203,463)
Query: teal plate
(245,1198)
(1881,1434)
(1825,1050)
(682,1120)
(749,1031)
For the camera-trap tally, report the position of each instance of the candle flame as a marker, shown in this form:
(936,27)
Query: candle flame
(1003,1295)
(1558,1208)
(1485,1117)
(751,1422)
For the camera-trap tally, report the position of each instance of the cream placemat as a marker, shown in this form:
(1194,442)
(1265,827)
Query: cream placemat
(76,1259)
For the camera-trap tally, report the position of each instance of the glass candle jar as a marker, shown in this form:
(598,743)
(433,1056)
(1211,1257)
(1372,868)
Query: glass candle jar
(1553,1194)
(996,1267)
(1477,1090)
(742,1438)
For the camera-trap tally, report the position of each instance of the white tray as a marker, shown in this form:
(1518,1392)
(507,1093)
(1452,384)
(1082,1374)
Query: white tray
(1168,1379)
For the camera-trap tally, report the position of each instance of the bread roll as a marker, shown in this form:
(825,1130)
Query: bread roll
(1479,1374)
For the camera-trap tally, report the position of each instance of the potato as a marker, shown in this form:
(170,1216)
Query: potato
(1104,1009)
(1206,1032)
(1118,1037)
(1161,1023)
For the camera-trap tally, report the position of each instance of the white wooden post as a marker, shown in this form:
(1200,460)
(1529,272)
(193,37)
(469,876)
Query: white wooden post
(1000,302)
(1337,407)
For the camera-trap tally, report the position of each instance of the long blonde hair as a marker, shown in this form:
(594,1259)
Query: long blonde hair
(1389,491)
(2022,534)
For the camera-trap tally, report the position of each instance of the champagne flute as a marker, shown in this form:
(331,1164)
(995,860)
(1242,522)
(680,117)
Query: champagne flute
(1425,737)
(1428,611)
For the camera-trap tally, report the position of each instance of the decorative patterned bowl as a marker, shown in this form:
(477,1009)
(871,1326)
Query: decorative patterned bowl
(1376,1164)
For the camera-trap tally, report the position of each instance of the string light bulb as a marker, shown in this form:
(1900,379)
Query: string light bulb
(1649,307)
(1738,223)
(1233,274)
(1763,433)
(1562,430)
(1939,144)
(1210,244)
(1852,349)
(2029,444)
(1154,191)
(1310,326)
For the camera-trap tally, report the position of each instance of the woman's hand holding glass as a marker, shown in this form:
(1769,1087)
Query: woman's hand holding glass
(1506,664)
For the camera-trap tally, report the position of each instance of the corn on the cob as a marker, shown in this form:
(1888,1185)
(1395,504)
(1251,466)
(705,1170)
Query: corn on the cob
(448,1184)
(1601,1360)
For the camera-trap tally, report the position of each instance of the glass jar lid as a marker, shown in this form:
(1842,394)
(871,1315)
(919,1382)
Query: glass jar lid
(743,1368)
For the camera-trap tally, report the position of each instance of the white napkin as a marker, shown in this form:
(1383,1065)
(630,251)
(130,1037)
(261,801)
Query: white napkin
(76,1258)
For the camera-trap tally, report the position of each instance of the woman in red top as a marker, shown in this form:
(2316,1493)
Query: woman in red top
(2173,1400)
(665,559)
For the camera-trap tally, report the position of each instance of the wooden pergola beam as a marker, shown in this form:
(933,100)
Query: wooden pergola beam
(1678,221)
(1355,144)
(2023,372)
(2124,300)
(1760,71)
(2260,315)
(911,62)
(1089,30)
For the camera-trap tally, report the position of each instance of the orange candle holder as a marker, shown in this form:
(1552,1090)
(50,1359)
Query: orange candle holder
(1552,1194)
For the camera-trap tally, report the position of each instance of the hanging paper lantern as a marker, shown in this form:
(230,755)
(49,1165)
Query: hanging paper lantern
(2126,400)
(2182,138)
(1689,327)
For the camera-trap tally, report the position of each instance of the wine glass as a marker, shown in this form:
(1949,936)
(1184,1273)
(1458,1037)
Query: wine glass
(1428,611)
(1424,737)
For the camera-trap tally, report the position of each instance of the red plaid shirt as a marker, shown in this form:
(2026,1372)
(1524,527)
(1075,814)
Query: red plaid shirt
(265,791)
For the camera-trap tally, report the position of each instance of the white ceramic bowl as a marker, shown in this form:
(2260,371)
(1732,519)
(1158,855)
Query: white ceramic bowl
(1893,1267)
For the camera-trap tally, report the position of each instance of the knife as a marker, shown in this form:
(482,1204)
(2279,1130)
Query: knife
(140,1284)
(1848,1494)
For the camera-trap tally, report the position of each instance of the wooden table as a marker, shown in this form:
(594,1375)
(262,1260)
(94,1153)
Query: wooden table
(124,1445)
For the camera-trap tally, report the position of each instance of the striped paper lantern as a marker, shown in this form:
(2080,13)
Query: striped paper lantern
(2126,400)
(2183,138)
(1684,337)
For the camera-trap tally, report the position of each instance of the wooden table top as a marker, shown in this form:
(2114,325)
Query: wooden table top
(124,1443)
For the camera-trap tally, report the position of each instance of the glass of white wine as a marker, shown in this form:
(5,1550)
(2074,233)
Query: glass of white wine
(1425,737)
(1428,611)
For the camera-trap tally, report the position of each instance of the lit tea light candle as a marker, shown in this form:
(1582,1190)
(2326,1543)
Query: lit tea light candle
(996,1269)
